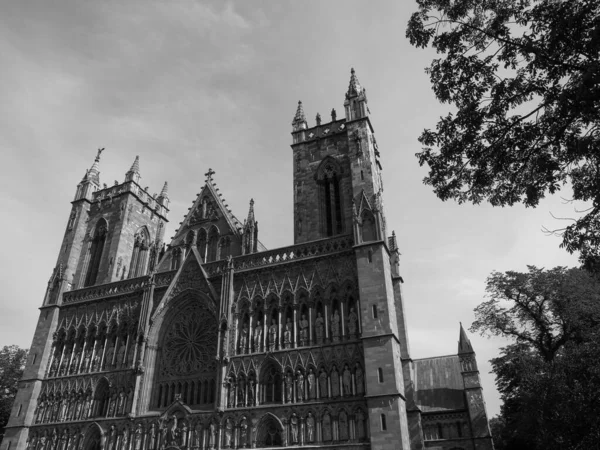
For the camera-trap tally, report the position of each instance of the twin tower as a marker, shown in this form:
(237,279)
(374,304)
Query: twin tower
(212,341)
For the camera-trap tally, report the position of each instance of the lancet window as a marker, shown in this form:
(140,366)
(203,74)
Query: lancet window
(212,245)
(201,242)
(94,256)
(139,256)
(328,180)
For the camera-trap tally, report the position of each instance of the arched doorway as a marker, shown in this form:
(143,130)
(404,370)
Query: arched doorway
(93,438)
(269,432)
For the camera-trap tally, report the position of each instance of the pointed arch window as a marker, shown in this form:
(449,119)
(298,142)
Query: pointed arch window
(213,240)
(224,247)
(201,243)
(95,252)
(369,231)
(139,257)
(328,180)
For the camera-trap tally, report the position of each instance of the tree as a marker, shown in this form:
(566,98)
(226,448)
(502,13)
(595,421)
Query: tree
(549,376)
(524,77)
(12,363)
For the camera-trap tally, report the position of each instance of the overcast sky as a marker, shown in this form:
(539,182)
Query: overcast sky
(191,85)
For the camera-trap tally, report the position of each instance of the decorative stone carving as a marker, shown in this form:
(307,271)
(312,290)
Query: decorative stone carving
(287,334)
(320,328)
(258,332)
(335,326)
(300,386)
(335,382)
(347,380)
(310,427)
(294,428)
(272,335)
(323,384)
(352,323)
(312,385)
(303,331)
(244,339)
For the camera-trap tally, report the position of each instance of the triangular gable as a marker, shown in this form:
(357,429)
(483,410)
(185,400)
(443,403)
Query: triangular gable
(191,275)
(220,210)
(363,203)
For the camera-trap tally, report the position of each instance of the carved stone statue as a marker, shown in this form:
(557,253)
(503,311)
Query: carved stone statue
(109,357)
(347,380)
(323,391)
(54,367)
(326,427)
(152,437)
(251,392)
(303,331)
(312,384)
(86,361)
(97,357)
(258,331)
(289,387)
(231,393)
(287,334)
(299,386)
(343,426)
(244,339)
(335,382)
(294,427)
(272,335)
(320,328)
(241,392)
(360,385)
(335,326)
(352,322)
(360,424)
(244,433)
(120,355)
(310,427)
(138,437)
(212,438)
(228,433)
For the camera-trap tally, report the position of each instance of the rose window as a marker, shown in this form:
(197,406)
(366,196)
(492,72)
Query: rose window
(189,344)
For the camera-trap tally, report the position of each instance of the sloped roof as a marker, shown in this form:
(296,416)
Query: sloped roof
(439,384)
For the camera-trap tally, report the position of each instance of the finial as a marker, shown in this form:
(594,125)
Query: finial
(333,115)
(251,211)
(209,174)
(299,117)
(318,118)
(100,150)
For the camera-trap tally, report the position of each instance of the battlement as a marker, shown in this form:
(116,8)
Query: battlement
(152,203)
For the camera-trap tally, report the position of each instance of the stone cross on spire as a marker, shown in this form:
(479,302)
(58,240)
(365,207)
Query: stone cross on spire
(209,174)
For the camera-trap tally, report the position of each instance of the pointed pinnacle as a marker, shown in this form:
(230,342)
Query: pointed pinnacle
(354,88)
(94,167)
(464,344)
(165,191)
(135,167)
(299,117)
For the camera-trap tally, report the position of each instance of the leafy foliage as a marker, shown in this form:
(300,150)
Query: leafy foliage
(524,76)
(549,377)
(12,363)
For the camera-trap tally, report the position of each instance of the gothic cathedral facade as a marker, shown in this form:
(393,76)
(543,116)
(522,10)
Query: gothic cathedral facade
(215,342)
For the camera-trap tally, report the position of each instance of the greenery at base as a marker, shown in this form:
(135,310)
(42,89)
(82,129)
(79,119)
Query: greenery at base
(549,376)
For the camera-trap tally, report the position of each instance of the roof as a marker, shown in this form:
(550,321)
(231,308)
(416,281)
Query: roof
(439,384)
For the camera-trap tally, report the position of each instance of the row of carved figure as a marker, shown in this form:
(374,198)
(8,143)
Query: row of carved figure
(94,354)
(243,432)
(104,402)
(312,328)
(290,387)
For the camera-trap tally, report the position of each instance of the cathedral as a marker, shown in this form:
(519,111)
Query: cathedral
(212,341)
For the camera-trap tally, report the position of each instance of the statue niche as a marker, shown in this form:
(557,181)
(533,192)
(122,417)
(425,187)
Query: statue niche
(187,347)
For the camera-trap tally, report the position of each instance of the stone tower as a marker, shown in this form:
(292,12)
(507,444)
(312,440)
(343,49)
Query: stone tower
(338,190)
(112,233)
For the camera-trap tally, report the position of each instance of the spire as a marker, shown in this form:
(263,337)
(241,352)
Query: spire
(165,191)
(135,167)
(250,212)
(133,174)
(94,174)
(163,197)
(464,344)
(299,117)
(354,88)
